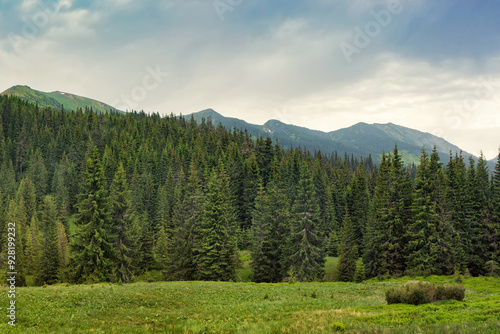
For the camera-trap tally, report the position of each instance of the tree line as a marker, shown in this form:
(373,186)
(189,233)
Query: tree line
(102,197)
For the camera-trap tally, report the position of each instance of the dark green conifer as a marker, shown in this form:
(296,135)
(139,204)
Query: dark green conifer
(49,260)
(93,255)
(306,243)
(216,253)
(348,250)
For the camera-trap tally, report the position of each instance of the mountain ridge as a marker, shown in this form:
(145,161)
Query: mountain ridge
(361,139)
(57,99)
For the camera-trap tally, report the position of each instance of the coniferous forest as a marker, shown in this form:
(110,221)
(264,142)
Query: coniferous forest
(105,197)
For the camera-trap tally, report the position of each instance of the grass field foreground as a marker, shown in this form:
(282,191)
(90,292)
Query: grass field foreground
(215,307)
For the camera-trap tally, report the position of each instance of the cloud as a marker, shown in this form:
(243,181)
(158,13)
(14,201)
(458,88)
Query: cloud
(272,59)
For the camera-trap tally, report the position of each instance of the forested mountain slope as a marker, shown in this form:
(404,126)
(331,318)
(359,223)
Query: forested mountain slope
(361,139)
(108,196)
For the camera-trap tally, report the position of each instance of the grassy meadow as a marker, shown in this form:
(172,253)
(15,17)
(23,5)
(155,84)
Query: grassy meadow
(242,307)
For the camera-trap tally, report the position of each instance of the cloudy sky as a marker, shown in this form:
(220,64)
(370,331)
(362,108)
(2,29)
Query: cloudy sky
(324,64)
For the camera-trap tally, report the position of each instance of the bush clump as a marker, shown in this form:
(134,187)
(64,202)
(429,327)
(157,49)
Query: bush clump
(423,292)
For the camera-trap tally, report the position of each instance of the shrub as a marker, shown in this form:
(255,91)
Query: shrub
(359,274)
(423,292)
(337,327)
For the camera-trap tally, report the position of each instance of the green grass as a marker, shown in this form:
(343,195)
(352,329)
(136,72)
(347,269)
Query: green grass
(216,307)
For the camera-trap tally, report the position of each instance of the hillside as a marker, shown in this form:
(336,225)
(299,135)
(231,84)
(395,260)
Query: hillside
(361,139)
(57,100)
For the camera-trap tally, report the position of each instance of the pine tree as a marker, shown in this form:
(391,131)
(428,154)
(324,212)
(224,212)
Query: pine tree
(431,237)
(476,191)
(348,250)
(216,259)
(306,244)
(185,234)
(357,202)
(33,247)
(49,264)
(333,244)
(493,239)
(161,249)
(384,254)
(251,188)
(269,226)
(459,208)
(27,190)
(63,248)
(93,256)
(359,273)
(125,238)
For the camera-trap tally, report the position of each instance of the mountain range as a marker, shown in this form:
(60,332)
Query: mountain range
(361,139)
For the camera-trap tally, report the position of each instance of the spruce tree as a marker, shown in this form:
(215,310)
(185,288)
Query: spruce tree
(357,203)
(306,243)
(459,207)
(269,227)
(33,247)
(359,273)
(63,248)
(216,252)
(348,250)
(125,237)
(384,254)
(476,191)
(49,260)
(93,256)
(493,239)
(184,238)
(431,238)
(161,249)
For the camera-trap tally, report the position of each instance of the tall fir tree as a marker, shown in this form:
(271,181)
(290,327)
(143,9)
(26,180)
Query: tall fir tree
(357,203)
(493,239)
(348,250)
(270,217)
(93,255)
(125,236)
(305,247)
(459,208)
(216,253)
(431,238)
(49,261)
(185,235)
(33,247)
(476,191)
(384,254)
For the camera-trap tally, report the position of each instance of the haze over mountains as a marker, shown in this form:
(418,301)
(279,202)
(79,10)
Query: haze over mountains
(361,139)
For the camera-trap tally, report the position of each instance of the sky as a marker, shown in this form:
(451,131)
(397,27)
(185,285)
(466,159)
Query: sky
(324,64)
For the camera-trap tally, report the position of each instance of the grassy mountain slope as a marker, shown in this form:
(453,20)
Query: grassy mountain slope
(57,99)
